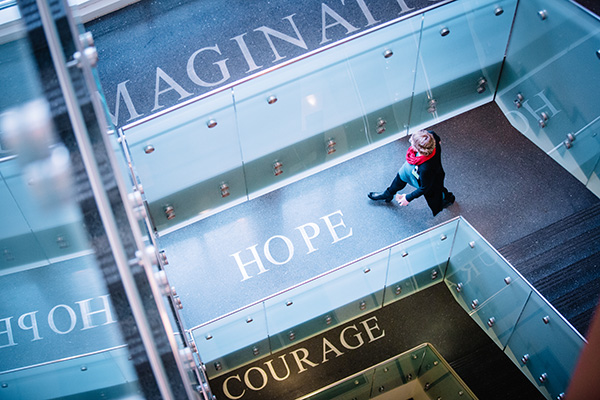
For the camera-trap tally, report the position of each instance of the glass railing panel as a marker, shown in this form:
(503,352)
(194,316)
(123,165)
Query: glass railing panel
(438,380)
(189,160)
(594,181)
(55,306)
(297,118)
(106,375)
(17,71)
(553,107)
(18,244)
(419,373)
(383,66)
(397,372)
(545,347)
(462,48)
(543,30)
(70,314)
(498,315)
(357,388)
(549,41)
(580,153)
(328,301)
(233,341)
(476,271)
(54,222)
(419,262)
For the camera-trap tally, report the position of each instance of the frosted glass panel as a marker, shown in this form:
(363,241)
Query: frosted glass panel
(233,341)
(328,301)
(583,153)
(298,117)
(189,159)
(383,67)
(543,343)
(551,41)
(462,48)
(420,262)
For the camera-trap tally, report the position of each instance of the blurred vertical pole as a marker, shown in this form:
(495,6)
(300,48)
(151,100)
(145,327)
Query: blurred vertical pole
(585,384)
(121,256)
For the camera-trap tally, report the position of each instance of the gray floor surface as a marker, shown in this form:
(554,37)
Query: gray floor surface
(504,185)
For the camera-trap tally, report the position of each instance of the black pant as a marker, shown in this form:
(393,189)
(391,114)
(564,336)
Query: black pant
(398,184)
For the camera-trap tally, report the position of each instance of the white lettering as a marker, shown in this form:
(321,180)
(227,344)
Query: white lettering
(358,336)
(256,260)
(268,32)
(332,227)
(306,237)
(536,113)
(160,74)
(246,53)
(404,7)
(262,374)
(33,324)
(289,245)
(366,12)
(326,10)
(84,307)
(470,268)
(303,359)
(272,370)
(369,329)
(72,316)
(329,347)
(226,388)
(123,92)
(8,332)
(525,127)
(191,71)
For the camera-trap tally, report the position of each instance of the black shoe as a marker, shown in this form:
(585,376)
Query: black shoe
(380,196)
(448,200)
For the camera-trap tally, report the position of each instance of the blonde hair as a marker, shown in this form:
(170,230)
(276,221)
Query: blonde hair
(423,142)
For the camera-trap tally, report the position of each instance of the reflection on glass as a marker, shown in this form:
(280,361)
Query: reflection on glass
(298,117)
(420,262)
(580,152)
(462,48)
(188,160)
(233,341)
(108,375)
(383,67)
(64,339)
(548,42)
(544,347)
(475,270)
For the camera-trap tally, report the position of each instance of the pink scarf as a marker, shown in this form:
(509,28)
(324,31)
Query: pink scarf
(413,159)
